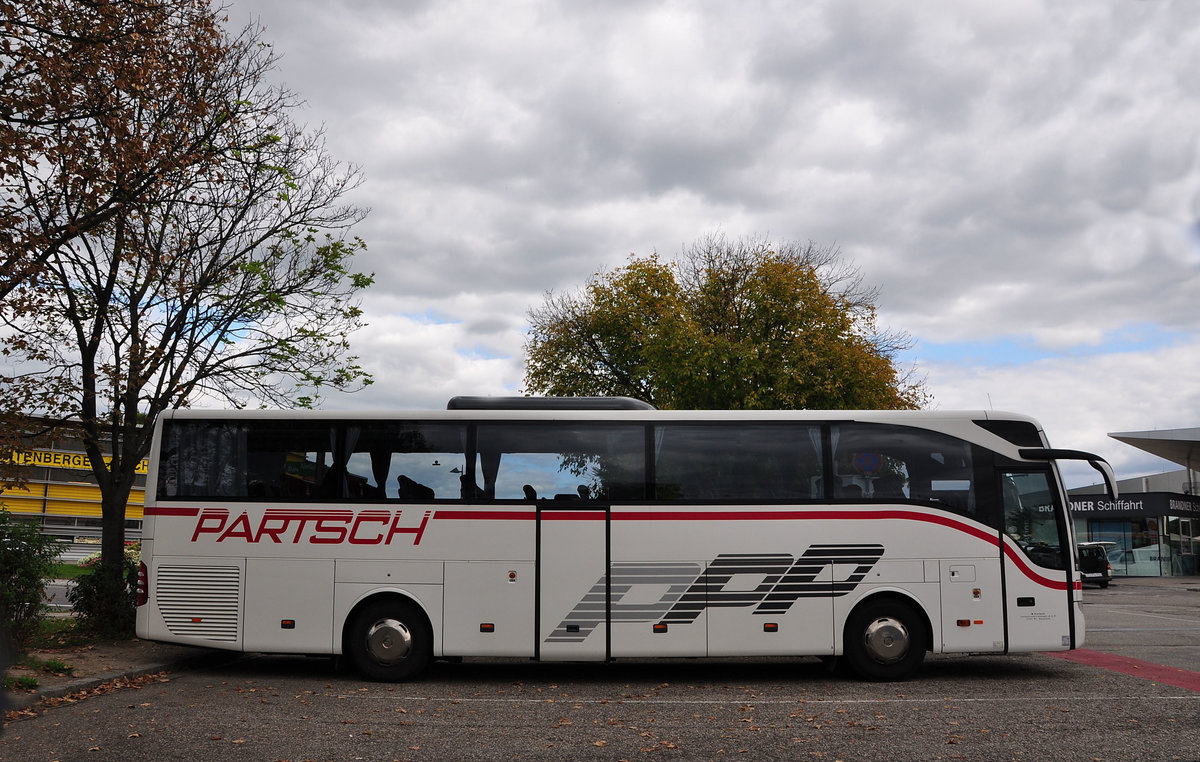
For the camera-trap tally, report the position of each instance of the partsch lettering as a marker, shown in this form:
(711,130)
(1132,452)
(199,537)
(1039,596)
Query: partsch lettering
(316,527)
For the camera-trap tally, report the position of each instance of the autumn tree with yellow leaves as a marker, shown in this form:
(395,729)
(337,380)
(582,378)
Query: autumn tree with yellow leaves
(739,324)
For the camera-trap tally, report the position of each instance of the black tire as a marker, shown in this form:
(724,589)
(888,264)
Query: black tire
(885,640)
(1104,584)
(389,641)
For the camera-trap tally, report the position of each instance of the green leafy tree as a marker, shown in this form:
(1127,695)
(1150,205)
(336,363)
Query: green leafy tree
(731,324)
(228,279)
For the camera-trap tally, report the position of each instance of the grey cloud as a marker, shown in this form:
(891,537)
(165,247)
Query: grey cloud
(1002,169)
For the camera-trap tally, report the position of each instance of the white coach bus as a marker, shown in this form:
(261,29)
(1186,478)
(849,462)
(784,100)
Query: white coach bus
(599,528)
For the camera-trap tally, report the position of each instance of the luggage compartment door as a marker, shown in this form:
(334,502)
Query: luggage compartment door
(573,584)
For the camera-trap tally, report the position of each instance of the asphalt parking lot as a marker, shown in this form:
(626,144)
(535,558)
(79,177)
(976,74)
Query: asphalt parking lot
(1033,706)
(1155,619)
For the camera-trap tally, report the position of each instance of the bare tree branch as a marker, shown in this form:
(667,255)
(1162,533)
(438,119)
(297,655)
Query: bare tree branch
(175,234)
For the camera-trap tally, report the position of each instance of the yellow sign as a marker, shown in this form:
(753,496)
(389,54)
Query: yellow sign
(53,459)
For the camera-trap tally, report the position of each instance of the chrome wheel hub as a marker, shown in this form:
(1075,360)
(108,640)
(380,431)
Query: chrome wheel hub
(389,641)
(887,640)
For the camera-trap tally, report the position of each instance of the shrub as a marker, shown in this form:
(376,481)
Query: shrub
(133,554)
(106,604)
(26,558)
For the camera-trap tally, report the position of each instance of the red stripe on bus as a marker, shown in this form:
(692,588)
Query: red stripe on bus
(821,514)
(1180,678)
(897,514)
(562,514)
(694,515)
(550,514)
(946,521)
(1028,572)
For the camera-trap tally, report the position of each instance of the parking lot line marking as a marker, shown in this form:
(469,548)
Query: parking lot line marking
(1140,629)
(1180,678)
(812,703)
(1146,615)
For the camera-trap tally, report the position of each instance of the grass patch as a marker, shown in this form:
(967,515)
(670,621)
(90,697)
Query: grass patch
(61,632)
(67,571)
(21,682)
(56,667)
(49,666)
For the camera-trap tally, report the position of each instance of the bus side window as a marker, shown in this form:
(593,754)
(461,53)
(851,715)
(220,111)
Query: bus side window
(206,459)
(561,461)
(886,462)
(744,462)
(293,462)
(406,460)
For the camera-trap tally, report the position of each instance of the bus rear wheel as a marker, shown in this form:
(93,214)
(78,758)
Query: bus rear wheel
(885,641)
(389,641)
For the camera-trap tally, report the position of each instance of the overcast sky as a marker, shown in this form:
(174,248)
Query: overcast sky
(1021,179)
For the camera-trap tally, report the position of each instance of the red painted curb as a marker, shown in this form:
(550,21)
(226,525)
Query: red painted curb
(1180,678)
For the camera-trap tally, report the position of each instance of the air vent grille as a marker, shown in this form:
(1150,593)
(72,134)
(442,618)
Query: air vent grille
(200,601)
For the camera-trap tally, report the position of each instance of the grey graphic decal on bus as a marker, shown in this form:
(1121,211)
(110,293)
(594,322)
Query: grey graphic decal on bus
(782,580)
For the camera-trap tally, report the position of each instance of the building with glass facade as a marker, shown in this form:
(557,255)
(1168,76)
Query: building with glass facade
(1153,528)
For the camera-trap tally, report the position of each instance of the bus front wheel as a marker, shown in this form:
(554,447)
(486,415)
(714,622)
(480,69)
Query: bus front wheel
(389,641)
(885,640)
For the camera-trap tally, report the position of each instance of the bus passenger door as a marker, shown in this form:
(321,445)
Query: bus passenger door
(572,583)
(1037,564)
